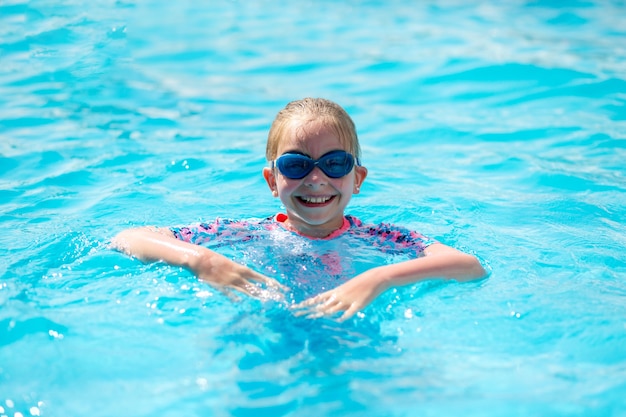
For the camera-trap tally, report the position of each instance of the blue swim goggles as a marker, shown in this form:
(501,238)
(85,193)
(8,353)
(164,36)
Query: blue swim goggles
(335,164)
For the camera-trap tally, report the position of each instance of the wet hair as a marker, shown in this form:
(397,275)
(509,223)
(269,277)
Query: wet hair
(309,110)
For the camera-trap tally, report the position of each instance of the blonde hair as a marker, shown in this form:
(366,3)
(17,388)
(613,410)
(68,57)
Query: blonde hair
(308,110)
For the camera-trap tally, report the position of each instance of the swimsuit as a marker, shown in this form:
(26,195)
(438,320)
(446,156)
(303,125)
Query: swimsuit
(385,237)
(307,265)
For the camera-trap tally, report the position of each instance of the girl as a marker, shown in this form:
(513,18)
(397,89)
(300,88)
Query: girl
(313,151)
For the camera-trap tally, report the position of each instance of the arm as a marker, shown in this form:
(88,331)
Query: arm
(152,244)
(439,261)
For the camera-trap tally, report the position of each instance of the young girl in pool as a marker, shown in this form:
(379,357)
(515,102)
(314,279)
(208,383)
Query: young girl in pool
(314,152)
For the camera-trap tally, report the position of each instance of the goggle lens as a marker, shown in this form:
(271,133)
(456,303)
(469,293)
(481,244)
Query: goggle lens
(335,164)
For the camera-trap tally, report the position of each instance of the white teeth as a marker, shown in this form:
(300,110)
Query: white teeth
(316,200)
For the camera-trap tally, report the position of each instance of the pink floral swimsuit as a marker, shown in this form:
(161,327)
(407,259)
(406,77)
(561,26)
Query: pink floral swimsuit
(385,237)
(307,265)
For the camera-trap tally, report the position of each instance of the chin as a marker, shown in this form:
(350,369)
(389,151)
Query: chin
(317,221)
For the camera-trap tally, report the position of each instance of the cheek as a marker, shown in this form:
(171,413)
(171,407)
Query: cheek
(346,184)
(285,185)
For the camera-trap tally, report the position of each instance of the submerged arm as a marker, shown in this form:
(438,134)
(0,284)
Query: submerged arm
(439,261)
(152,244)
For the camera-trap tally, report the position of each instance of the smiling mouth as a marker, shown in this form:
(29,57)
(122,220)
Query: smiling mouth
(315,201)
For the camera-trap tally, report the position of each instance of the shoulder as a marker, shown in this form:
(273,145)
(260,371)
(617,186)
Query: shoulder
(221,228)
(389,234)
(354,221)
(376,228)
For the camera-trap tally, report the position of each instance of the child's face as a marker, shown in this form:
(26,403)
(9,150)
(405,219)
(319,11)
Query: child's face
(315,204)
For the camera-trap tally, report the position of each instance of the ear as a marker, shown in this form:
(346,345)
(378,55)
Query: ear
(359,176)
(270,178)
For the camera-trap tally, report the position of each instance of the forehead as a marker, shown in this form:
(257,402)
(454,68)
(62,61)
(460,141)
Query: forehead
(311,137)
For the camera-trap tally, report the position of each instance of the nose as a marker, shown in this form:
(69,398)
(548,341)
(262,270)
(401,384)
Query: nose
(315,178)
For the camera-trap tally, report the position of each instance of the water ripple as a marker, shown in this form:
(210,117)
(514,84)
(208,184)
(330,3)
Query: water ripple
(497,128)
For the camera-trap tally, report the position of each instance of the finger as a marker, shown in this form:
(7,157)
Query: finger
(322,299)
(307,310)
(322,313)
(297,309)
(253,290)
(276,285)
(330,310)
(229,293)
(260,293)
(240,289)
(271,294)
(321,310)
(348,313)
(331,301)
(270,282)
(308,302)
(315,315)
(246,287)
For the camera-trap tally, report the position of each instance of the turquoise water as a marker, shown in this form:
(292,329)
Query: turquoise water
(496,128)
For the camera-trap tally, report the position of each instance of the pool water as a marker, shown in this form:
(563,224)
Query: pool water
(499,129)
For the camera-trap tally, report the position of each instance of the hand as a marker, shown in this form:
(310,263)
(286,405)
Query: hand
(439,261)
(348,298)
(152,244)
(227,275)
